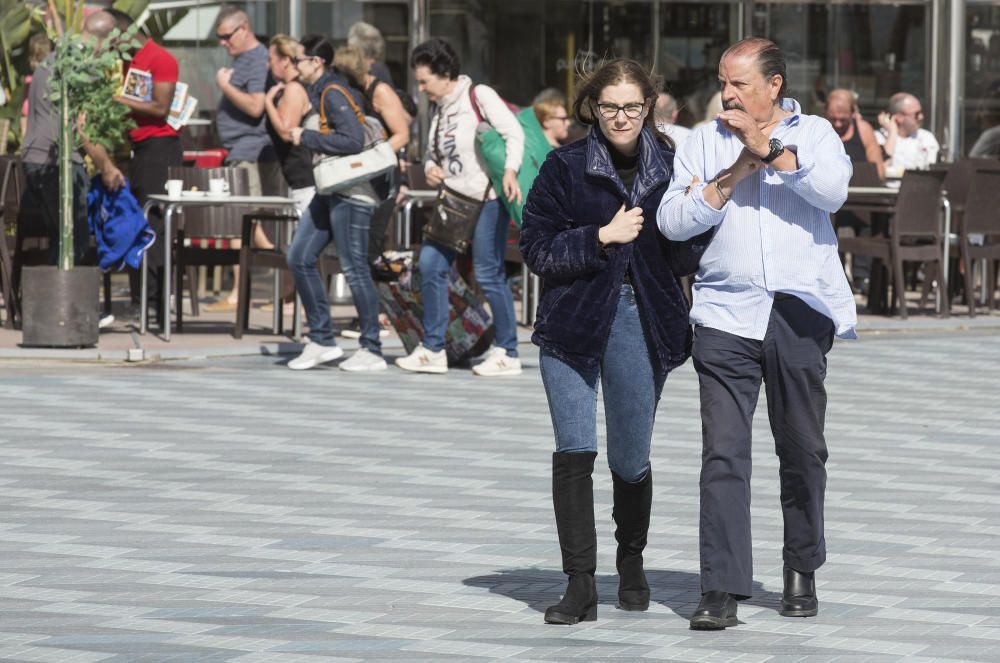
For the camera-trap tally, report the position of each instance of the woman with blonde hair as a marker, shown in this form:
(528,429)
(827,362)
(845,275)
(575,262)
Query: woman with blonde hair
(287,105)
(381,100)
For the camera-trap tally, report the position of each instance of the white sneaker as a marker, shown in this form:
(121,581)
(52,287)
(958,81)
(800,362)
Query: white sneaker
(497,363)
(422,360)
(364,360)
(106,321)
(314,354)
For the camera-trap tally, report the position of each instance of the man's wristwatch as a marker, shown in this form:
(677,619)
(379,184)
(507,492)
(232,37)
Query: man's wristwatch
(777,149)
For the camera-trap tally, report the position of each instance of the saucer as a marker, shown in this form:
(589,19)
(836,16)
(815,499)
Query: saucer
(193,194)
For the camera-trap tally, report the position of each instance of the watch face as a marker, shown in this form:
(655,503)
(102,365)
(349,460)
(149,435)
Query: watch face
(775,144)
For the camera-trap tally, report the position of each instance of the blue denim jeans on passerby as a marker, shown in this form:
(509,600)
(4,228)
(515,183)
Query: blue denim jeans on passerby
(346,223)
(489,245)
(631,383)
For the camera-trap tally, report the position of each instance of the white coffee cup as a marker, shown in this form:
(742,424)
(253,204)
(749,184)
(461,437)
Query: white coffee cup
(174,188)
(218,187)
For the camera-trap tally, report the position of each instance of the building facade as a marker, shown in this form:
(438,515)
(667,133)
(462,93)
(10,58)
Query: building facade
(946,52)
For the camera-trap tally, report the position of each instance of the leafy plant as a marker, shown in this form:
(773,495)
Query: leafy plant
(85,77)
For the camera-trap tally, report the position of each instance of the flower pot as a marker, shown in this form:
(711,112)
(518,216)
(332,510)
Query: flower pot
(59,307)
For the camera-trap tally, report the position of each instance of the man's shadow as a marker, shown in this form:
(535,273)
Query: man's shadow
(679,591)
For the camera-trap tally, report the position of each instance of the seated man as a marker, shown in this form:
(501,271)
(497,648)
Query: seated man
(855,133)
(906,145)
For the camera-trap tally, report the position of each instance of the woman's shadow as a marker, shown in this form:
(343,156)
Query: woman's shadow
(679,591)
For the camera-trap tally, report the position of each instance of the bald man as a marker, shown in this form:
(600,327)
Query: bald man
(665,114)
(856,134)
(907,146)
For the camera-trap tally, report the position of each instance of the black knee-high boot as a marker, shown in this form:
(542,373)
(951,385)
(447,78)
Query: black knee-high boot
(573,499)
(631,514)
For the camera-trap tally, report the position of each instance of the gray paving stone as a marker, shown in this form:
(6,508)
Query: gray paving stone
(232,510)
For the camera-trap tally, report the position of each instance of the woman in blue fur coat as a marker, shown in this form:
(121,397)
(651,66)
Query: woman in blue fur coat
(611,311)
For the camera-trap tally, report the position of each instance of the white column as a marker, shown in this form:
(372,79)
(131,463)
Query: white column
(296,18)
(956,78)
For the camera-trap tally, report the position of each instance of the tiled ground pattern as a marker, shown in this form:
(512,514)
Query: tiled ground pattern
(238,511)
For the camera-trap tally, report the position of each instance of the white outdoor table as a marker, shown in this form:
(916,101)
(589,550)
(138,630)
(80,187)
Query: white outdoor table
(169,207)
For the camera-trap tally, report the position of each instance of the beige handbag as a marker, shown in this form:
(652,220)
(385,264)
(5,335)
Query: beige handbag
(333,173)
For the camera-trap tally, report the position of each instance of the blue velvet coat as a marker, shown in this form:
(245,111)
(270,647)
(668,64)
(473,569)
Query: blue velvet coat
(576,192)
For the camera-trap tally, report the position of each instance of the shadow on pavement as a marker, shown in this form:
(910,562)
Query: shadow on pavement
(679,591)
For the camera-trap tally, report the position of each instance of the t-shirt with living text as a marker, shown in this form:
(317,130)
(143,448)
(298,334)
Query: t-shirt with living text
(245,137)
(162,66)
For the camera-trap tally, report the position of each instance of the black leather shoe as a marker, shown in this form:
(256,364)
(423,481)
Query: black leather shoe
(716,611)
(799,597)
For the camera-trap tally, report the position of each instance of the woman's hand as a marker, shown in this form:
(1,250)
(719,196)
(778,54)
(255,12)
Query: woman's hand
(886,122)
(434,175)
(296,133)
(623,228)
(511,189)
(273,92)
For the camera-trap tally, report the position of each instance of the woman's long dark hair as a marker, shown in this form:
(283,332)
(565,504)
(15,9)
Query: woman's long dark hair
(613,72)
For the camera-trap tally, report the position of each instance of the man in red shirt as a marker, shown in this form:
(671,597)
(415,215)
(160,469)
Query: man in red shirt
(155,144)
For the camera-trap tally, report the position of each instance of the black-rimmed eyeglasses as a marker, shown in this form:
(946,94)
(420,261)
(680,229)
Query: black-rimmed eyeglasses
(610,111)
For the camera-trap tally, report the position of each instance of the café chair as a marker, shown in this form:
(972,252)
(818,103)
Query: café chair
(915,235)
(979,238)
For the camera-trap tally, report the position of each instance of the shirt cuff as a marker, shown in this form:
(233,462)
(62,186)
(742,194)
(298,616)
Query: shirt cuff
(704,213)
(794,177)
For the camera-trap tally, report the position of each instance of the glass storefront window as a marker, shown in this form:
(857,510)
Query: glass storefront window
(523,46)
(981,112)
(874,49)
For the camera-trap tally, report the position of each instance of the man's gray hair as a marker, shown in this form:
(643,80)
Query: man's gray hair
(231,11)
(368,38)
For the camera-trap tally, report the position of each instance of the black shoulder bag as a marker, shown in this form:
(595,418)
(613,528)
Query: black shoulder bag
(453,222)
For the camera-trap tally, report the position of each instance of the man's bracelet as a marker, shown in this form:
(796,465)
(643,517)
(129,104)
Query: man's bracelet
(718,187)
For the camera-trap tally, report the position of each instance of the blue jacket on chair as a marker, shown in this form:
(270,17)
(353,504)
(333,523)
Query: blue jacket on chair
(576,192)
(118,225)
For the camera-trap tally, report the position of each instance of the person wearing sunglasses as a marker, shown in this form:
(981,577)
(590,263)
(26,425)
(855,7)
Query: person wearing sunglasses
(612,316)
(240,120)
(906,144)
(550,110)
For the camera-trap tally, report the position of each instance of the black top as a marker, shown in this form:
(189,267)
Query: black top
(370,102)
(625,166)
(296,161)
(854,147)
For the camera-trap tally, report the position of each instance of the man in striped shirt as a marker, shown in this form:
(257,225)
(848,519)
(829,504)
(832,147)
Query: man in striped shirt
(769,297)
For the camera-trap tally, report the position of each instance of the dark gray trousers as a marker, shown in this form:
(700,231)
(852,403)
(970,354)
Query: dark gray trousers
(791,360)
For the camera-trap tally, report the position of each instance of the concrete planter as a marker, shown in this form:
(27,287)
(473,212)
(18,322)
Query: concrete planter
(59,307)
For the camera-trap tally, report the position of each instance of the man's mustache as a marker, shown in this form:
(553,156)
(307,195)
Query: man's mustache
(733,105)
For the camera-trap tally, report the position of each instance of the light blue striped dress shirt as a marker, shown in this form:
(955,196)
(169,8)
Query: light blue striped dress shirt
(774,235)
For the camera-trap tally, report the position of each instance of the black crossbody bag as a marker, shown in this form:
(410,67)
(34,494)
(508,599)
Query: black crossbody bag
(453,222)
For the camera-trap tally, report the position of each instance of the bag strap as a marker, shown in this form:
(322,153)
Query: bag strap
(475,104)
(323,127)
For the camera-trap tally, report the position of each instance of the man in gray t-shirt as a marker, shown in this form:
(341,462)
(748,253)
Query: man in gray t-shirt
(240,118)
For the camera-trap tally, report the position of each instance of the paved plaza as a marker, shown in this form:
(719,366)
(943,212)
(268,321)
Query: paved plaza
(233,510)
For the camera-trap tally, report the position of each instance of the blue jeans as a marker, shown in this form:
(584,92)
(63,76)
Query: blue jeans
(489,245)
(346,223)
(631,383)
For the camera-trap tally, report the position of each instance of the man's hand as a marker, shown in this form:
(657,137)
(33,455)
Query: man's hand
(623,228)
(296,135)
(511,189)
(745,129)
(886,122)
(112,178)
(434,175)
(223,76)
